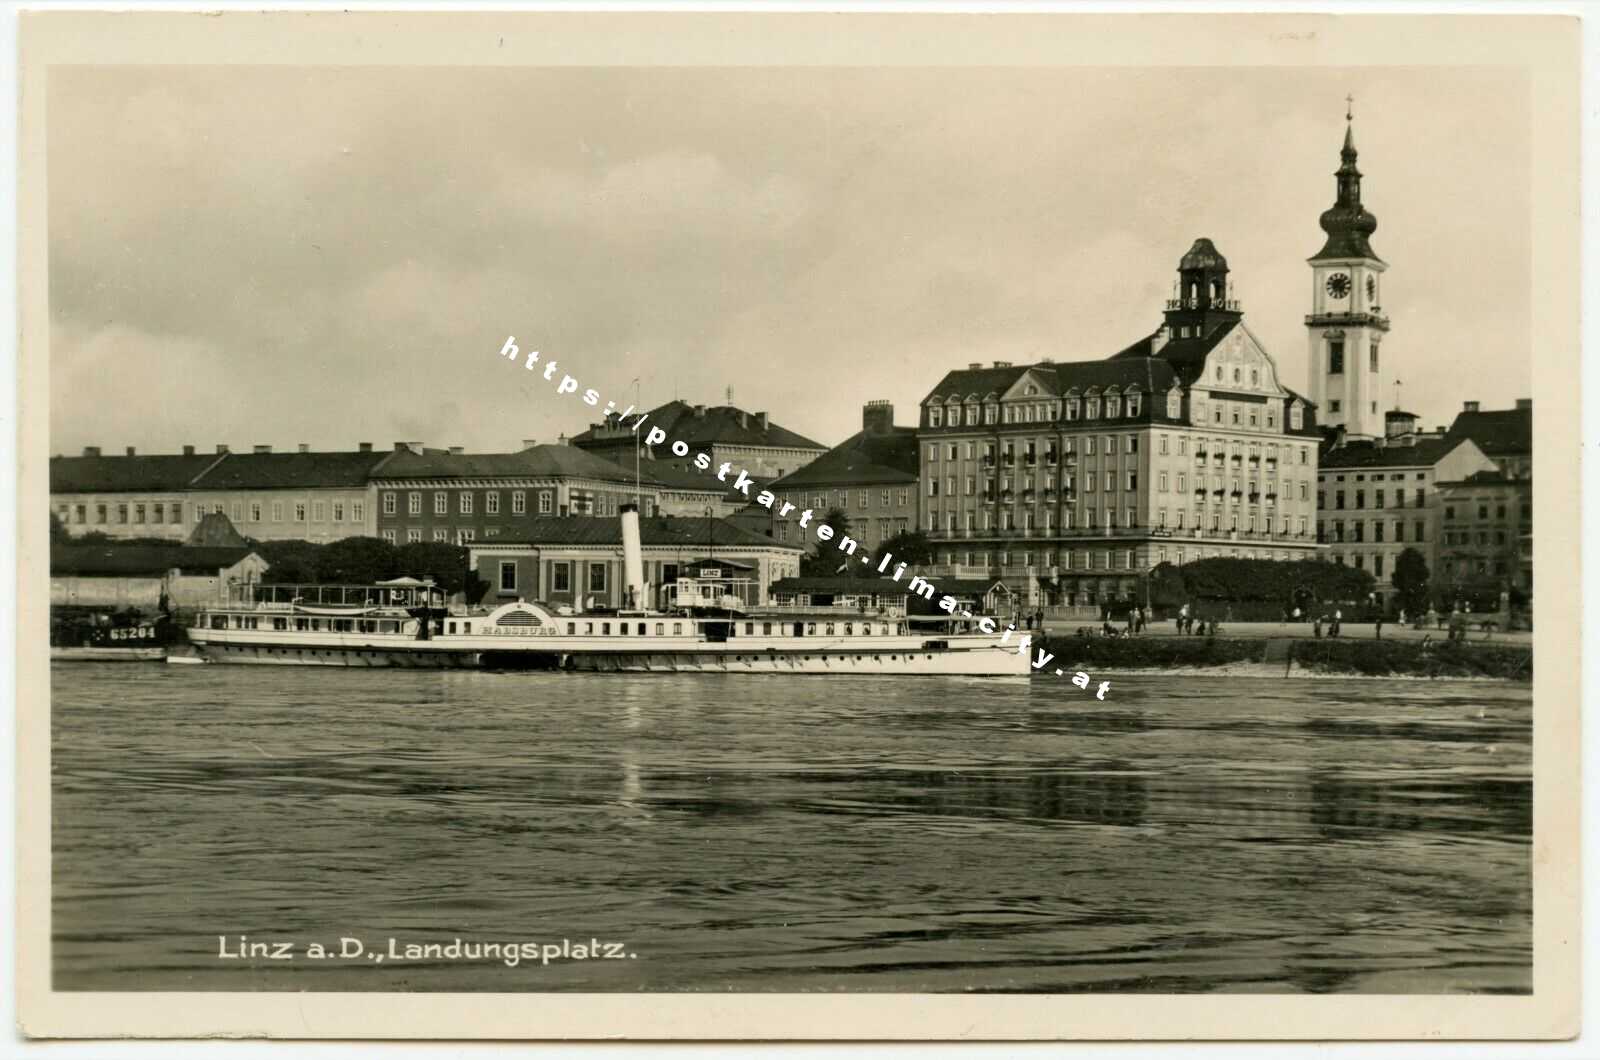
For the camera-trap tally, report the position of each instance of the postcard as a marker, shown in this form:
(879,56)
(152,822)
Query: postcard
(798,525)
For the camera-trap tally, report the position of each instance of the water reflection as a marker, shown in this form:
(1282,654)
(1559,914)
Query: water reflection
(746,834)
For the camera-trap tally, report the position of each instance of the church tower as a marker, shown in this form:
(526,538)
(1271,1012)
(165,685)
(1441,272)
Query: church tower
(1346,322)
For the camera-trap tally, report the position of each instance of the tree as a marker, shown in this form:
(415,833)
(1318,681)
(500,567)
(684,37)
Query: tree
(58,532)
(826,561)
(1167,588)
(358,561)
(1410,580)
(290,562)
(445,563)
(908,546)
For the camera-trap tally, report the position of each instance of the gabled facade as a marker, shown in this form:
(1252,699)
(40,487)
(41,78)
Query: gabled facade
(748,440)
(1072,479)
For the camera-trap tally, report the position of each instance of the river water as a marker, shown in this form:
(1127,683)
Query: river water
(1189,833)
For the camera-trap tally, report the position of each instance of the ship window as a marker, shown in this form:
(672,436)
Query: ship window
(219,621)
(588,627)
(641,629)
(848,629)
(466,627)
(766,629)
(677,628)
(388,627)
(343,625)
(571,628)
(300,623)
(828,630)
(749,629)
(660,627)
(452,627)
(605,628)
(811,629)
(280,623)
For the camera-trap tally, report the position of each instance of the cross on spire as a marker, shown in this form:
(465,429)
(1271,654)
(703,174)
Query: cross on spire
(1349,104)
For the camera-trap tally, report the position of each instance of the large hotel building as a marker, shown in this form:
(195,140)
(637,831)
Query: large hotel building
(1071,480)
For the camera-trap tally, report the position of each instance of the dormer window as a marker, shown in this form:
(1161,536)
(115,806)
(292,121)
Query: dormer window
(1092,409)
(1174,404)
(1296,421)
(1113,406)
(1072,408)
(1133,404)
(935,416)
(991,412)
(1031,390)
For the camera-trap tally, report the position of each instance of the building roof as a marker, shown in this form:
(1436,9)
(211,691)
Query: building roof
(540,461)
(692,532)
(1488,478)
(255,471)
(705,425)
(140,560)
(1499,432)
(865,457)
(1362,454)
(125,474)
(674,476)
(1153,369)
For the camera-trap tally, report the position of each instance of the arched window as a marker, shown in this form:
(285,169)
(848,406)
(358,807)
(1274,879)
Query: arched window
(935,415)
(1133,403)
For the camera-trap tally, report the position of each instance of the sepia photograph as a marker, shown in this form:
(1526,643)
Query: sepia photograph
(639,507)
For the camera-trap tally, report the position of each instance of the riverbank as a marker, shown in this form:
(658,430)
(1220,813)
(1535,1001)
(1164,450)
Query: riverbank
(1328,657)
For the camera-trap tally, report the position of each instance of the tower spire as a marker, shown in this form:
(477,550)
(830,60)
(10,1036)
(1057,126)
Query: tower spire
(1348,223)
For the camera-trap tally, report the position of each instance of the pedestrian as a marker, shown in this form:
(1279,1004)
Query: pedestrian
(1140,628)
(1297,614)
(1130,620)
(1316,627)
(1039,620)
(1183,618)
(1377,627)
(1338,620)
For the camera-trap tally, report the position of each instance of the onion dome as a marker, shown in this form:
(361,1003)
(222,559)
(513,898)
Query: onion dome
(1203,255)
(1347,222)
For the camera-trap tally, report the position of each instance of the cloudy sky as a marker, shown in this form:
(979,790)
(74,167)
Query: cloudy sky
(334,255)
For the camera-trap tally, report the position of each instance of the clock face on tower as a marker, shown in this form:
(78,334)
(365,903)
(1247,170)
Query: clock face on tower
(1338,285)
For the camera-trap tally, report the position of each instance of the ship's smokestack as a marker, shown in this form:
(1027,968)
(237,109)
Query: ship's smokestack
(632,556)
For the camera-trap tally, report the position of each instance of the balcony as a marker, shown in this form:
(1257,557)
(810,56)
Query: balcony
(1255,498)
(1199,454)
(1254,459)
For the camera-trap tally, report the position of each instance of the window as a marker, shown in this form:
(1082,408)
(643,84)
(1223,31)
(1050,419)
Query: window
(1361,498)
(935,416)
(100,514)
(338,511)
(1296,421)
(388,535)
(319,511)
(388,504)
(561,577)
(1333,406)
(277,511)
(414,504)
(464,536)
(544,502)
(597,577)
(299,511)
(413,535)
(466,502)
(508,576)
(1338,499)
(491,503)
(1335,358)
(358,511)
(441,534)
(1372,362)
(238,511)
(519,502)
(1174,404)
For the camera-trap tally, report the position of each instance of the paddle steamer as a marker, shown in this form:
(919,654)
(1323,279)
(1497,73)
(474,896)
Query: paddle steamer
(408,623)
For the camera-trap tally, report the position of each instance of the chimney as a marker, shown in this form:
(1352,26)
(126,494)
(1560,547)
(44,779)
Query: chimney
(744,418)
(699,412)
(401,447)
(364,447)
(261,449)
(188,450)
(562,439)
(222,447)
(529,443)
(1525,403)
(877,417)
(305,447)
(1469,406)
(91,450)
(457,450)
(130,451)
(973,366)
(761,420)
(1002,364)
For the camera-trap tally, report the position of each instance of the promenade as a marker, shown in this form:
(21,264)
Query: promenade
(1299,631)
